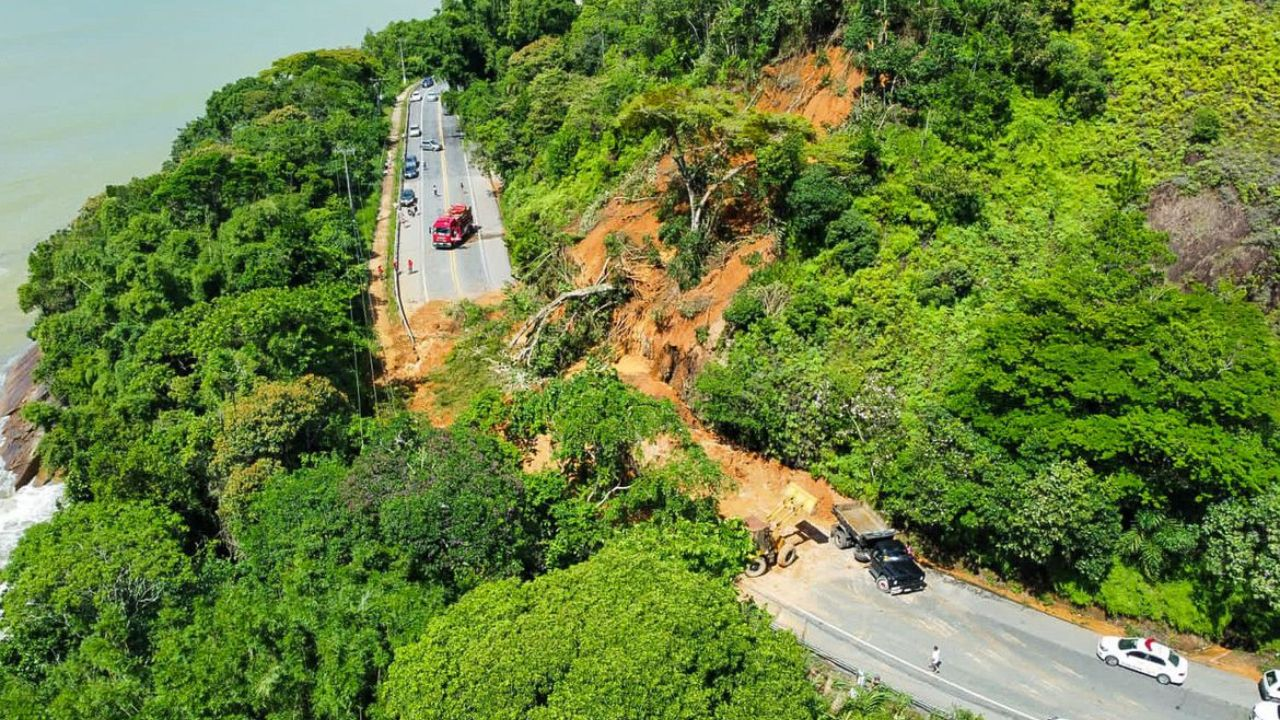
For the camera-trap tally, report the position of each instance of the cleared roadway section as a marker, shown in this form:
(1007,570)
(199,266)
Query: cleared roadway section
(999,658)
(447,177)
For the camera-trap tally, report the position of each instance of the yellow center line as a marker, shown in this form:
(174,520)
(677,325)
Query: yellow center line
(444,193)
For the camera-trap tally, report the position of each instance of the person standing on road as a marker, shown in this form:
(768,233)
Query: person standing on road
(435,191)
(410,266)
(935,660)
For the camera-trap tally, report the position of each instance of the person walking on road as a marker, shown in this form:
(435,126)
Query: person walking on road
(935,660)
(435,191)
(396,265)
(410,266)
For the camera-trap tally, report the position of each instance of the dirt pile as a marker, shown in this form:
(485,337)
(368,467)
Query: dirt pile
(821,86)
(663,336)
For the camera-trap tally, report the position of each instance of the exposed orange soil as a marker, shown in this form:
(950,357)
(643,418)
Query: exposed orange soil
(436,331)
(822,92)
(406,364)
(659,352)
(397,351)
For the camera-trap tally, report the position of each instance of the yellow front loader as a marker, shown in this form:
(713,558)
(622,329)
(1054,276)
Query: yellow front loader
(774,534)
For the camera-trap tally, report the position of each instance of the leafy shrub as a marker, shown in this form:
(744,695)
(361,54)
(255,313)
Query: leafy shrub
(1206,126)
(692,248)
(816,199)
(744,309)
(854,241)
(946,285)
(1126,592)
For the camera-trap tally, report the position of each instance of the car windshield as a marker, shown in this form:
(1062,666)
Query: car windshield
(1271,677)
(442,231)
(1128,644)
(1174,660)
(891,550)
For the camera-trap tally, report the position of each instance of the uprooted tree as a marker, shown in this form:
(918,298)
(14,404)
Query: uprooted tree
(712,140)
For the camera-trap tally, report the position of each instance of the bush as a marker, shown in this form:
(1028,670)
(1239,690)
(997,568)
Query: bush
(745,309)
(946,285)
(816,199)
(1206,126)
(692,247)
(854,241)
(1126,592)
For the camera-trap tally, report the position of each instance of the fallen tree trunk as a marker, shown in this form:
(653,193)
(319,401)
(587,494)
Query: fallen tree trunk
(526,339)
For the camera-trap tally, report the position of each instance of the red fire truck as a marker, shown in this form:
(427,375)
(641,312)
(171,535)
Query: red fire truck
(451,230)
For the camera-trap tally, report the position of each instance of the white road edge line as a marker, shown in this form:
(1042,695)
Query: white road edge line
(484,263)
(923,671)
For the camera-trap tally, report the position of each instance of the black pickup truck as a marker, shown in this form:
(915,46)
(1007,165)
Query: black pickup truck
(891,566)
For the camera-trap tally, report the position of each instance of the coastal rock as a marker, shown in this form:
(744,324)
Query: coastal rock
(19,438)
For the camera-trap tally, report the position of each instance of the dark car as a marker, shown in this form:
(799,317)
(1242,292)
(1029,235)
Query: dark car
(408,198)
(893,568)
(411,166)
(428,81)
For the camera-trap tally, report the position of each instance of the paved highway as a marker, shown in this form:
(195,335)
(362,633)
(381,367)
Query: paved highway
(1000,659)
(447,177)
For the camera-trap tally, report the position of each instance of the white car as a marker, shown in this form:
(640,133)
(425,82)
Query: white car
(1144,655)
(415,131)
(432,97)
(416,96)
(1269,685)
(1266,710)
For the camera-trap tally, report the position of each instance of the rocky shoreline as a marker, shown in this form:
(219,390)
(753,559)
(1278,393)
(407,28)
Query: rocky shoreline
(19,438)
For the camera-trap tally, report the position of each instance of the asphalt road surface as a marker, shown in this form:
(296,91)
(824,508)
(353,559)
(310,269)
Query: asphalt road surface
(999,659)
(447,177)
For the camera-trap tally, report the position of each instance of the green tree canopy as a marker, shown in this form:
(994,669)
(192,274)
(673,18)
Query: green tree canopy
(127,567)
(625,634)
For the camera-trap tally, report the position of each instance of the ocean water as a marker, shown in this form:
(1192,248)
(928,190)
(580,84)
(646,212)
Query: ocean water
(93,92)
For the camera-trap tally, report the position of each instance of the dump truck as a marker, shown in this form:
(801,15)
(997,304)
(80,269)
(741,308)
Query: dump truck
(775,535)
(452,229)
(872,539)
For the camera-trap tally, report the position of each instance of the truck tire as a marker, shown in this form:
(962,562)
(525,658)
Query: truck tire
(757,567)
(787,557)
(841,538)
(883,584)
(861,555)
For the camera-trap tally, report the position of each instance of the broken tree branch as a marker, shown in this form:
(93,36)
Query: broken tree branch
(523,342)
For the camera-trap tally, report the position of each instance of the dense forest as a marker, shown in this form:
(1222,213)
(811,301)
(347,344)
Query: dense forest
(256,528)
(1024,295)
(972,320)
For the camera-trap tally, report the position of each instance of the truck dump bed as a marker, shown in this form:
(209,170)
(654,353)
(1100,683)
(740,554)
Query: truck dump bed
(865,523)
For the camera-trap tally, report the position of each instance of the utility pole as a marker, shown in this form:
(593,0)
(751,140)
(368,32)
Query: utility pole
(403,78)
(346,170)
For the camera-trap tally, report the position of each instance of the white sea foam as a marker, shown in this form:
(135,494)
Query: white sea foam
(22,508)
